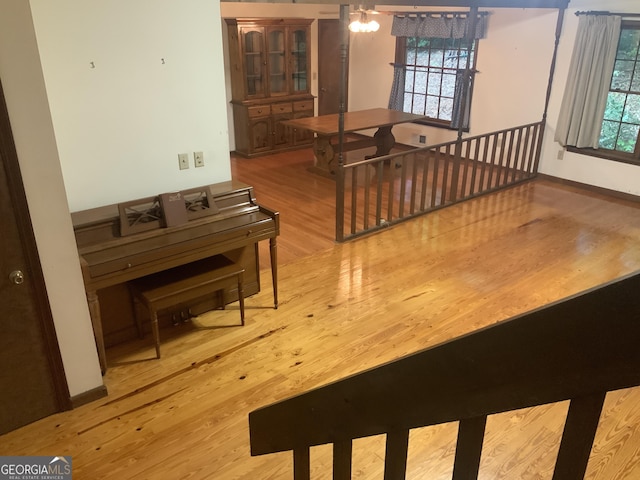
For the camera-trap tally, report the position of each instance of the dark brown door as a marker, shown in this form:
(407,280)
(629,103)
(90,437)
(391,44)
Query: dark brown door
(32,383)
(329,73)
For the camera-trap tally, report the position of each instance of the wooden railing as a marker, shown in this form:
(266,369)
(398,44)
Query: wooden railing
(577,349)
(374,193)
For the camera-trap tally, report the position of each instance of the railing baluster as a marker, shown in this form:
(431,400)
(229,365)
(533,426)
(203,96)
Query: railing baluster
(469,448)
(367,195)
(354,198)
(494,153)
(392,181)
(465,174)
(434,179)
(485,154)
(425,177)
(403,187)
(475,166)
(503,171)
(340,194)
(395,458)
(414,183)
(380,174)
(510,163)
(516,160)
(301,464)
(444,195)
(536,163)
(525,151)
(577,438)
(342,460)
(532,151)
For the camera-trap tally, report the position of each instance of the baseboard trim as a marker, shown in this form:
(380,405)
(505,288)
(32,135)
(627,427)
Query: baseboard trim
(591,188)
(89,396)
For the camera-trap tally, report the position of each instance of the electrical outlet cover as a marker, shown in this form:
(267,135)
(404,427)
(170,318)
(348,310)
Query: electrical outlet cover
(198,159)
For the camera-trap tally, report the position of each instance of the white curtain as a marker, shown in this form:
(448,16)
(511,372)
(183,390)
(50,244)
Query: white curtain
(590,71)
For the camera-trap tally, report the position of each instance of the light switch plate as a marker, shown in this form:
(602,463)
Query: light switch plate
(183,161)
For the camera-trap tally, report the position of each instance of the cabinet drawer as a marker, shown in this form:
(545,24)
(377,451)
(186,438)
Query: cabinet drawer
(302,105)
(281,108)
(259,111)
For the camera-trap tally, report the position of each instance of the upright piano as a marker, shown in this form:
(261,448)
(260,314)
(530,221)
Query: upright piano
(108,258)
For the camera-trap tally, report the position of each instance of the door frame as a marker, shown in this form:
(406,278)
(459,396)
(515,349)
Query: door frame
(9,158)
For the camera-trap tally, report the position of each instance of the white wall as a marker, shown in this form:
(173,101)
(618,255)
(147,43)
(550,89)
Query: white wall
(582,168)
(26,97)
(131,84)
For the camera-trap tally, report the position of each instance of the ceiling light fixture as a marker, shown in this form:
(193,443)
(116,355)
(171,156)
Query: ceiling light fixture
(363,24)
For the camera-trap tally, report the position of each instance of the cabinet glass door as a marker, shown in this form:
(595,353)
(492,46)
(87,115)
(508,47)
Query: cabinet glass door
(277,61)
(254,60)
(299,70)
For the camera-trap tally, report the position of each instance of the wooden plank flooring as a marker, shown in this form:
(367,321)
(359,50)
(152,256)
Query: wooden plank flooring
(347,307)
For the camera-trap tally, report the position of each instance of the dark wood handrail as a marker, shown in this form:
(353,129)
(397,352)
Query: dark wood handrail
(578,348)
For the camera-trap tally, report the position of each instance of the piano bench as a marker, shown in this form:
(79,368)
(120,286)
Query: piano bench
(179,285)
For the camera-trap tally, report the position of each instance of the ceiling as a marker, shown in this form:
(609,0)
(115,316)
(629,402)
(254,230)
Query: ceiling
(430,3)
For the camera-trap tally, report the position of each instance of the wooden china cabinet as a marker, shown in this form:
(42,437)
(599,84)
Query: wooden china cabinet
(270,81)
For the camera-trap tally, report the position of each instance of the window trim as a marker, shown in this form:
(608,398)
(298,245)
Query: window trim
(612,155)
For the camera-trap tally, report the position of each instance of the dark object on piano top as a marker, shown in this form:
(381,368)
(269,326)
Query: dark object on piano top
(166,210)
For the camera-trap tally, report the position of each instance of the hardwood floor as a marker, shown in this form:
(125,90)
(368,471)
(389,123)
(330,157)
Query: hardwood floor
(345,308)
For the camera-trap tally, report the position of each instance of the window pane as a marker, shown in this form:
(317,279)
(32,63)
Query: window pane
(628,45)
(622,75)
(408,101)
(436,59)
(433,103)
(446,108)
(635,83)
(449,85)
(615,106)
(632,110)
(411,56)
(420,84)
(628,137)
(408,79)
(435,80)
(609,134)
(418,104)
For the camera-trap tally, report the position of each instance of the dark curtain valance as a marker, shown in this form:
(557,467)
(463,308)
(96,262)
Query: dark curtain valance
(437,25)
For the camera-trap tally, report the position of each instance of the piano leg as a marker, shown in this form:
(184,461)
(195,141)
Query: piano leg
(273,250)
(96,322)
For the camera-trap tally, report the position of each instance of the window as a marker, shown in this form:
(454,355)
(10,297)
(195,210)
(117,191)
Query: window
(621,124)
(434,76)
